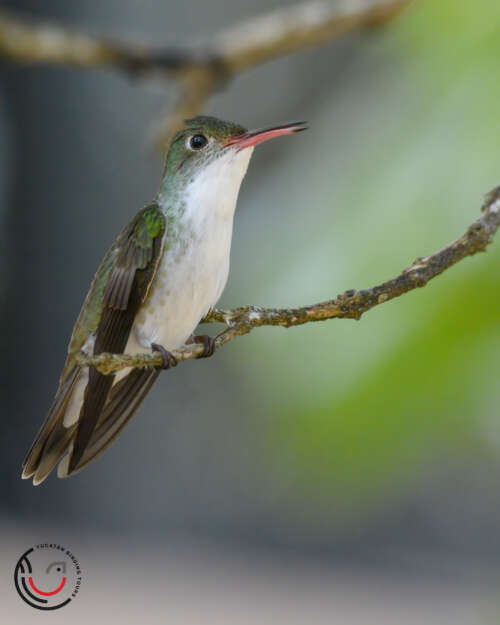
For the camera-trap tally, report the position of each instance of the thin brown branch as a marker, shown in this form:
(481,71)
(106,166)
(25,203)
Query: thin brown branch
(349,305)
(200,70)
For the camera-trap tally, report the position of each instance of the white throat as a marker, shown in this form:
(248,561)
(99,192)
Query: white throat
(195,265)
(213,192)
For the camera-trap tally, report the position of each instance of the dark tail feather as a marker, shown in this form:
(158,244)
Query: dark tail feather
(56,446)
(123,401)
(95,397)
(51,441)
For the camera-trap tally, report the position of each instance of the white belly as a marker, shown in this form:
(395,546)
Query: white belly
(195,264)
(186,286)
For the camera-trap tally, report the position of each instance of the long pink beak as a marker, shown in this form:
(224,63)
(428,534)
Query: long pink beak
(254,137)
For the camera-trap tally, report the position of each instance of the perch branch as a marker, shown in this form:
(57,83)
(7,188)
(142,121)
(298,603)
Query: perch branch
(349,305)
(200,70)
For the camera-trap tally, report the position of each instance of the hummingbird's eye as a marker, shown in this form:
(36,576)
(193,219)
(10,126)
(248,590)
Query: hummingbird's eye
(197,142)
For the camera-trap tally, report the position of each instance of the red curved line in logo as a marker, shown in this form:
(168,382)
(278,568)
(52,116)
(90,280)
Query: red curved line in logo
(47,594)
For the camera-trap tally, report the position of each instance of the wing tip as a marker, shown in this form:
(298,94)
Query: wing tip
(29,474)
(25,475)
(38,480)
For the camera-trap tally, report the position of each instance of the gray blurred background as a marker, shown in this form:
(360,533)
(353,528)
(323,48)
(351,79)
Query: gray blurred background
(340,472)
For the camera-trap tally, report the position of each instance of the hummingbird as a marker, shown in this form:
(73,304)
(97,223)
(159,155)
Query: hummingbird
(165,271)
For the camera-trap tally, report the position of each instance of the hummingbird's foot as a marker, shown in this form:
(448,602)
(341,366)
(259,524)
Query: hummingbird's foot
(169,360)
(208,345)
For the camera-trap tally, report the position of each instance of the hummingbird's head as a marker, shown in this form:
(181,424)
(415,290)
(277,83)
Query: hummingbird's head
(204,140)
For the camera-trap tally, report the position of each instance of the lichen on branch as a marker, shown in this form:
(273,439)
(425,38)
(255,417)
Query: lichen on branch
(349,305)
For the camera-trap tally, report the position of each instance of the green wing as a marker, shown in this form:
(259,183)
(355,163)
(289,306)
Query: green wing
(120,285)
(136,251)
(112,305)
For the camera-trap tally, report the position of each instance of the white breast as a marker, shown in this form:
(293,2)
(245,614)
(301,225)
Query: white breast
(195,265)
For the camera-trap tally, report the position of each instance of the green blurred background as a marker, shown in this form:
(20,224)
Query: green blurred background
(371,445)
(372,408)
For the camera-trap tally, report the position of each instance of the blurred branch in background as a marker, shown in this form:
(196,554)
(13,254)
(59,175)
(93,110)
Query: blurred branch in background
(200,70)
(349,305)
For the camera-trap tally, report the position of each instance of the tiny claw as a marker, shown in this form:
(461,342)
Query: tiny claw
(169,360)
(208,345)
